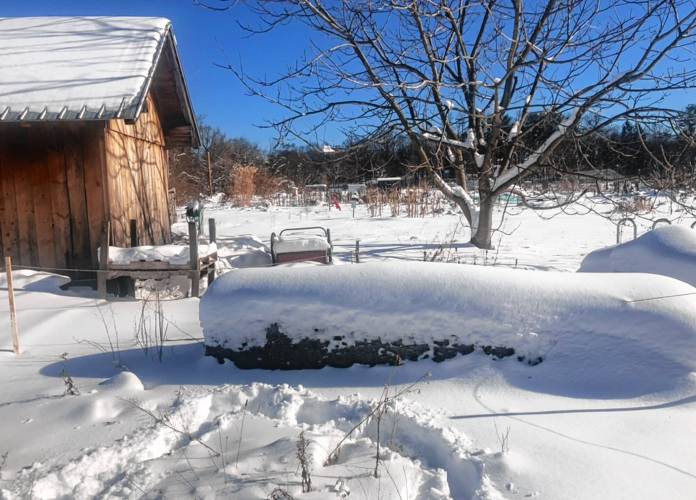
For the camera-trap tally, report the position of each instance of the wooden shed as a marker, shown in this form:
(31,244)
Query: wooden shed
(89,108)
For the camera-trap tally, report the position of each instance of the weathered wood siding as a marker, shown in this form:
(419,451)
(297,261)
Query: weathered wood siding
(60,182)
(137,173)
(52,196)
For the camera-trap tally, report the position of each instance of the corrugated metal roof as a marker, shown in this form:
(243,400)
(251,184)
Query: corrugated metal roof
(77,68)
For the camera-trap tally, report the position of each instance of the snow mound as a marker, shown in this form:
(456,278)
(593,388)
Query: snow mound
(529,311)
(124,381)
(34,281)
(108,471)
(666,250)
(241,442)
(243,251)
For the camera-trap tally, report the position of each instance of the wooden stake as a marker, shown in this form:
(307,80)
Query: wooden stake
(210,176)
(104,260)
(134,233)
(193,260)
(13,310)
(212,233)
(212,237)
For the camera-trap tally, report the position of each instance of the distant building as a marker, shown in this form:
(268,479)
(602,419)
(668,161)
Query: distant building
(89,107)
(601,174)
(316,193)
(384,182)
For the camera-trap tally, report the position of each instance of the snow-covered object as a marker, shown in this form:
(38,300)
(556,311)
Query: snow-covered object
(417,302)
(478,158)
(77,67)
(667,250)
(244,251)
(514,130)
(301,244)
(174,254)
(468,143)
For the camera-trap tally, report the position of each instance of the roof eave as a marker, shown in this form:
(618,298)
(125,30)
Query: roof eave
(181,82)
(168,39)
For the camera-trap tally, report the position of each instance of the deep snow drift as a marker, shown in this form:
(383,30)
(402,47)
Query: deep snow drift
(529,311)
(34,281)
(666,250)
(240,442)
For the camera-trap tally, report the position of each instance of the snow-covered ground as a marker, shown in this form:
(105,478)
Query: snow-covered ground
(604,416)
(544,240)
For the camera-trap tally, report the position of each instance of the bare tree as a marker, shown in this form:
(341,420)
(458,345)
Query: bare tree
(461,78)
(192,176)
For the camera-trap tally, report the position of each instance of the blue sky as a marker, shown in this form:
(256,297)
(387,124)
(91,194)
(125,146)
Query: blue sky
(204,38)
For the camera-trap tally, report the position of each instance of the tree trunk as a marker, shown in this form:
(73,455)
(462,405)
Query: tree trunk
(481,221)
(484,229)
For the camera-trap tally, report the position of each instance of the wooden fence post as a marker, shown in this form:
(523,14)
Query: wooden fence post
(210,176)
(104,260)
(133,233)
(212,234)
(212,238)
(134,242)
(13,311)
(193,260)
(357,251)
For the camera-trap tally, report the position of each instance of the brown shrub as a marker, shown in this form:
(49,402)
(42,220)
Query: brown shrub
(242,185)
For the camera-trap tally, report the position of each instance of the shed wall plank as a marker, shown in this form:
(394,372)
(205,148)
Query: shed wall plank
(137,176)
(80,251)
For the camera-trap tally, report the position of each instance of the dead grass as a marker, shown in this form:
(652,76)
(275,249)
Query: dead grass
(243,184)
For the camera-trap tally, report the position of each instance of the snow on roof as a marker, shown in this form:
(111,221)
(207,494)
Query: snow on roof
(68,68)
